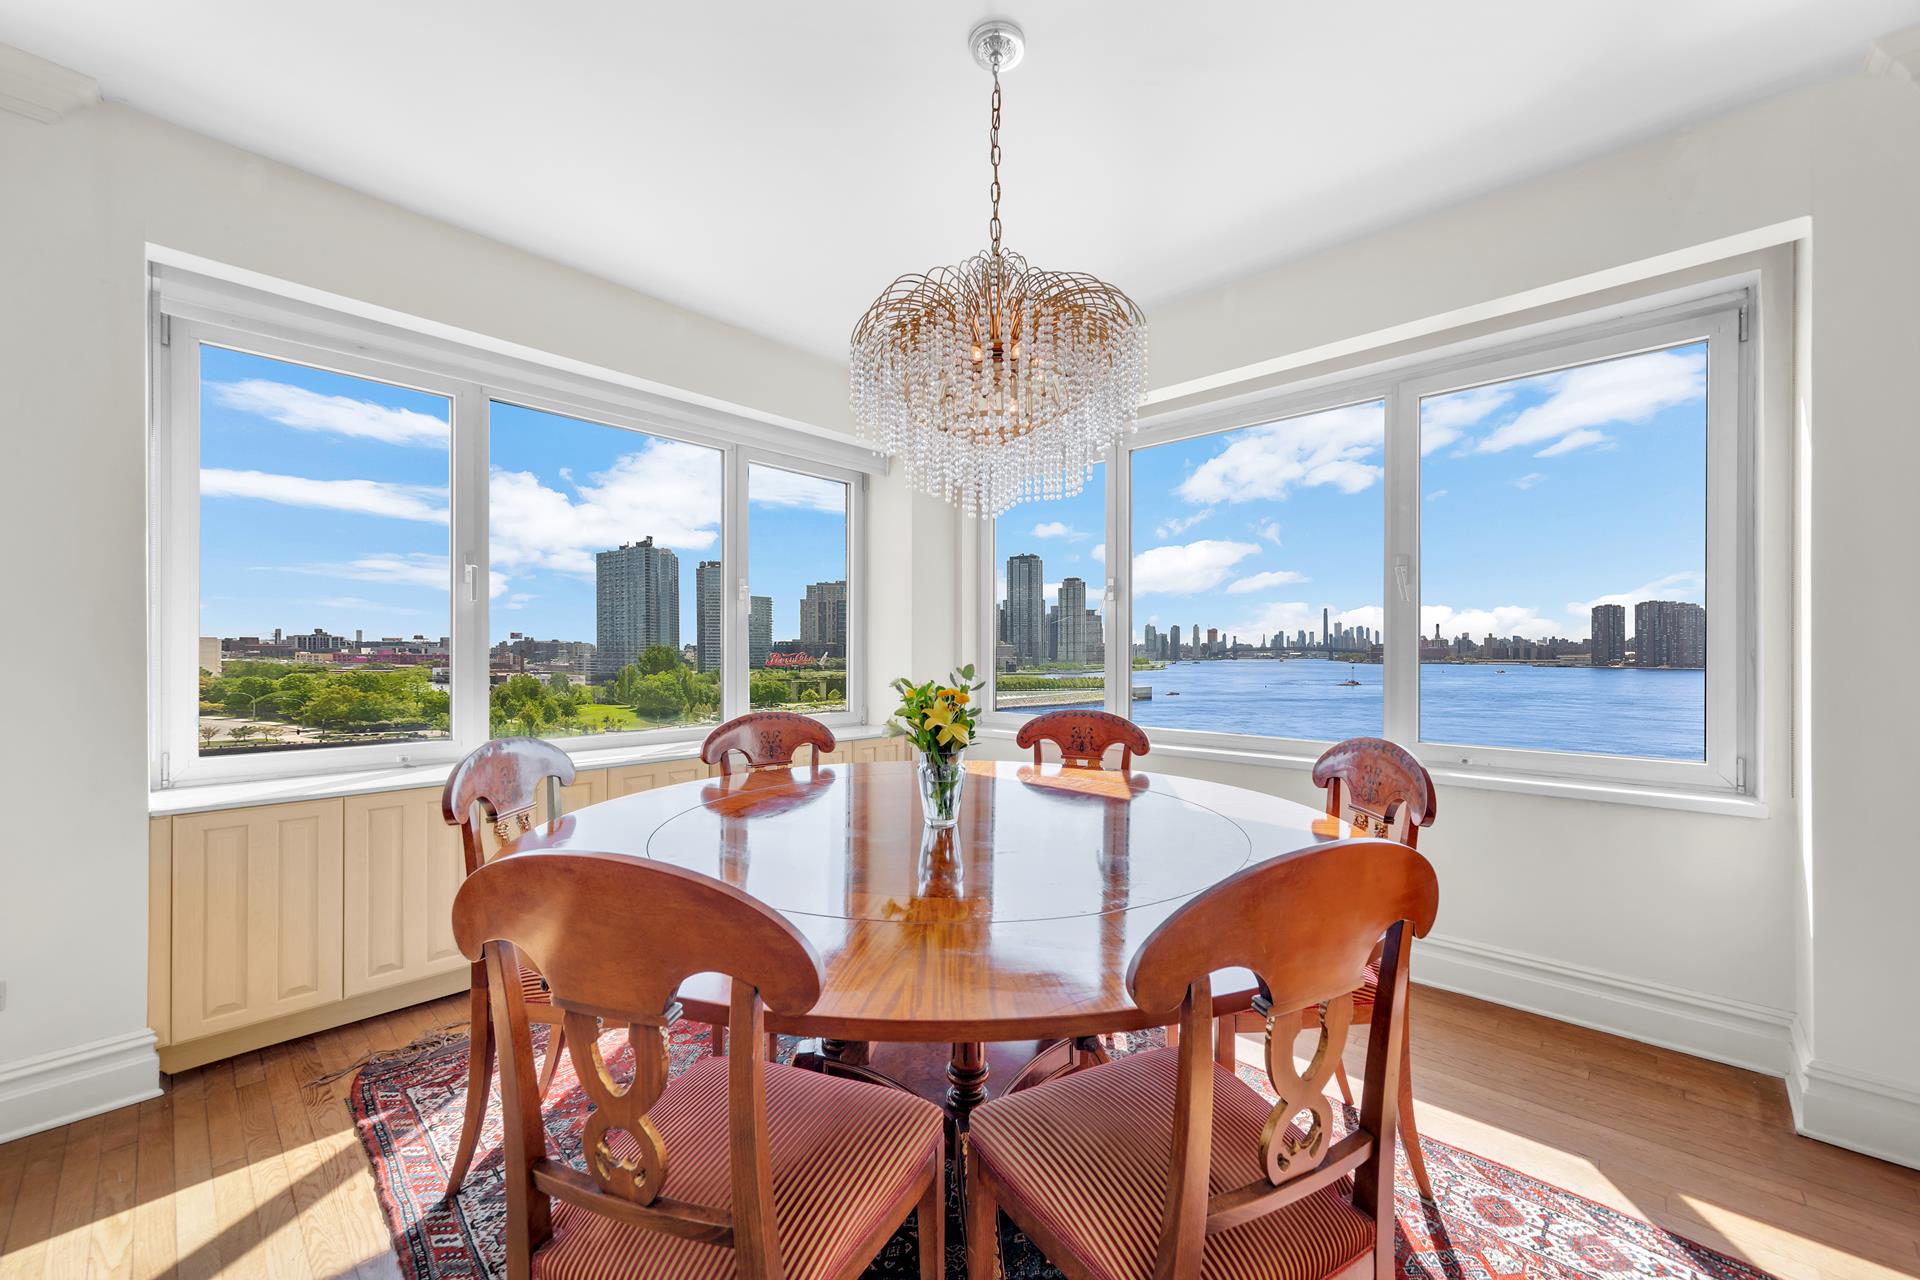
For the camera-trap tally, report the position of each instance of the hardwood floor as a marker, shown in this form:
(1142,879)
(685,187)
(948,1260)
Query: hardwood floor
(244,1169)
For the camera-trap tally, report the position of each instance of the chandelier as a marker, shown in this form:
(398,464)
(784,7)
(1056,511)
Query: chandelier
(993,381)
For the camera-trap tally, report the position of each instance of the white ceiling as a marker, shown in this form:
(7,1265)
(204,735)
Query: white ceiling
(776,164)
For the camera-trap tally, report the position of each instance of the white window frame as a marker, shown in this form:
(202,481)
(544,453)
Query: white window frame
(188,308)
(1723,315)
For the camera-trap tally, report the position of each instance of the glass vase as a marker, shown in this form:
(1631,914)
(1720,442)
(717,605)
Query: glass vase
(942,776)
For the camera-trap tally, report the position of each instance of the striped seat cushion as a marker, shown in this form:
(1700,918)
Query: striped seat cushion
(533,987)
(1088,1157)
(844,1153)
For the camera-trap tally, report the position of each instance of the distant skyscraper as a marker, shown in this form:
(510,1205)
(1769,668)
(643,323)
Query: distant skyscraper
(823,617)
(1075,642)
(1326,628)
(759,631)
(1173,643)
(636,599)
(1672,633)
(1027,608)
(1609,643)
(709,591)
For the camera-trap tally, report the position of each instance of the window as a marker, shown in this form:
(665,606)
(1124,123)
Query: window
(324,609)
(797,597)
(1049,636)
(1530,557)
(372,546)
(1256,577)
(606,583)
(1563,541)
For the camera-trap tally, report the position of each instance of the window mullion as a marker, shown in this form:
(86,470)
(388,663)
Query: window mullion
(1401,568)
(470,569)
(734,690)
(1116,587)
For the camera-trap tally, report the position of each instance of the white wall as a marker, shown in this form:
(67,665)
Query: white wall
(1733,937)
(83,199)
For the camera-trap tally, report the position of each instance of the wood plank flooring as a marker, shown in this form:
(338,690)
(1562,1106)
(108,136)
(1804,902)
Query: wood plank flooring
(243,1169)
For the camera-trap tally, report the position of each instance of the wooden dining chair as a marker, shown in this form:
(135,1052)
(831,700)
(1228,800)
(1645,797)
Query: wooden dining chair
(1164,1163)
(1381,790)
(766,739)
(1084,737)
(736,1166)
(502,781)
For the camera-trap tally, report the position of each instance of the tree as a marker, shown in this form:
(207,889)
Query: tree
(208,732)
(659,697)
(658,658)
(768,689)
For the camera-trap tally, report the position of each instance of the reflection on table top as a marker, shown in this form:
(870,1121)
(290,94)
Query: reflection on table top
(1020,921)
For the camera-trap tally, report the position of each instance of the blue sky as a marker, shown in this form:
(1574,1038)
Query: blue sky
(1540,497)
(324,504)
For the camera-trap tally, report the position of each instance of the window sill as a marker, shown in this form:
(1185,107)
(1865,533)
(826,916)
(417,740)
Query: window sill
(1644,795)
(206,797)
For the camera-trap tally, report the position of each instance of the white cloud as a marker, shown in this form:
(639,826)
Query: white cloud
(1585,438)
(1528,480)
(1334,447)
(1099,552)
(1501,620)
(414,569)
(1687,584)
(1174,526)
(358,605)
(305,410)
(1436,495)
(1269,530)
(1289,617)
(666,490)
(1444,419)
(773,487)
(1626,390)
(1185,568)
(361,497)
(1058,529)
(1261,581)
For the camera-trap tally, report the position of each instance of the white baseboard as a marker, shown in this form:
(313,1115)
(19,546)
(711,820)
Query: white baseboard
(1866,1113)
(71,1084)
(1731,1031)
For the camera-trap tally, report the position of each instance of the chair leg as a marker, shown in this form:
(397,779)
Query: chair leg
(480,1052)
(1346,1085)
(983,1226)
(773,1047)
(717,1040)
(556,1046)
(931,1219)
(1409,1134)
(1173,1036)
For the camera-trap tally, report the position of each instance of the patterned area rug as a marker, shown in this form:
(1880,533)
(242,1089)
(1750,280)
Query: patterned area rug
(1489,1223)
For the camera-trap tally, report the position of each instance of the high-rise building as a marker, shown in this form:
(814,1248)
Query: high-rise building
(1671,633)
(1609,644)
(1326,628)
(709,591)
(1027,608)
(1173,643)
(823,617)
(1078,628)
(636,601)
(1150,642)
(759,631)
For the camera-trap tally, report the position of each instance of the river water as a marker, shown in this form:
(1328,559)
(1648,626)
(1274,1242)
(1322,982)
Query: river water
(1612,711)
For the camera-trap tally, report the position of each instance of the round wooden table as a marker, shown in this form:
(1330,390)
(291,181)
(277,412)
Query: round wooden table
(1016,925)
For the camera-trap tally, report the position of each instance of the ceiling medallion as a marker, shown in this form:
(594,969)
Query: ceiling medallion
(995,382)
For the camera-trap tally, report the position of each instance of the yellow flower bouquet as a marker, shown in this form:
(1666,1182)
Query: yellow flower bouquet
(938,719)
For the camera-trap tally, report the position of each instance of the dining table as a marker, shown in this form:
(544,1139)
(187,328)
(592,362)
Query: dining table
(951,956)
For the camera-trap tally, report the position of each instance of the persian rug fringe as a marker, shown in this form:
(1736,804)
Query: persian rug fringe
(427,1042)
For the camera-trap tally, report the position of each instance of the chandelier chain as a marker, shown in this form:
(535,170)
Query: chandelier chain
(993,158)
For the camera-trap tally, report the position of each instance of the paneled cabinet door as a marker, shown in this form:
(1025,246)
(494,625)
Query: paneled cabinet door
(627,779)
(589,786)
(256,915)
(402,868)
(872,750)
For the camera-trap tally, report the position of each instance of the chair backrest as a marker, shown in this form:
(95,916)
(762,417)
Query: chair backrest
(766,738)
(1084,736)
(1378,787)
(503,777)
(1306,923)
(615,936)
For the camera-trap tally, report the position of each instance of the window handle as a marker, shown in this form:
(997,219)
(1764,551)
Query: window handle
(473,581)
(1403,576)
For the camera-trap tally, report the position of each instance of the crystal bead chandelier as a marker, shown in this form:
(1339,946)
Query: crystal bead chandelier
(995,382)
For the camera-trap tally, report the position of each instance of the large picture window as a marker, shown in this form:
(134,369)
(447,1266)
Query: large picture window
(1530,560)
(372,547)
(1049,632)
